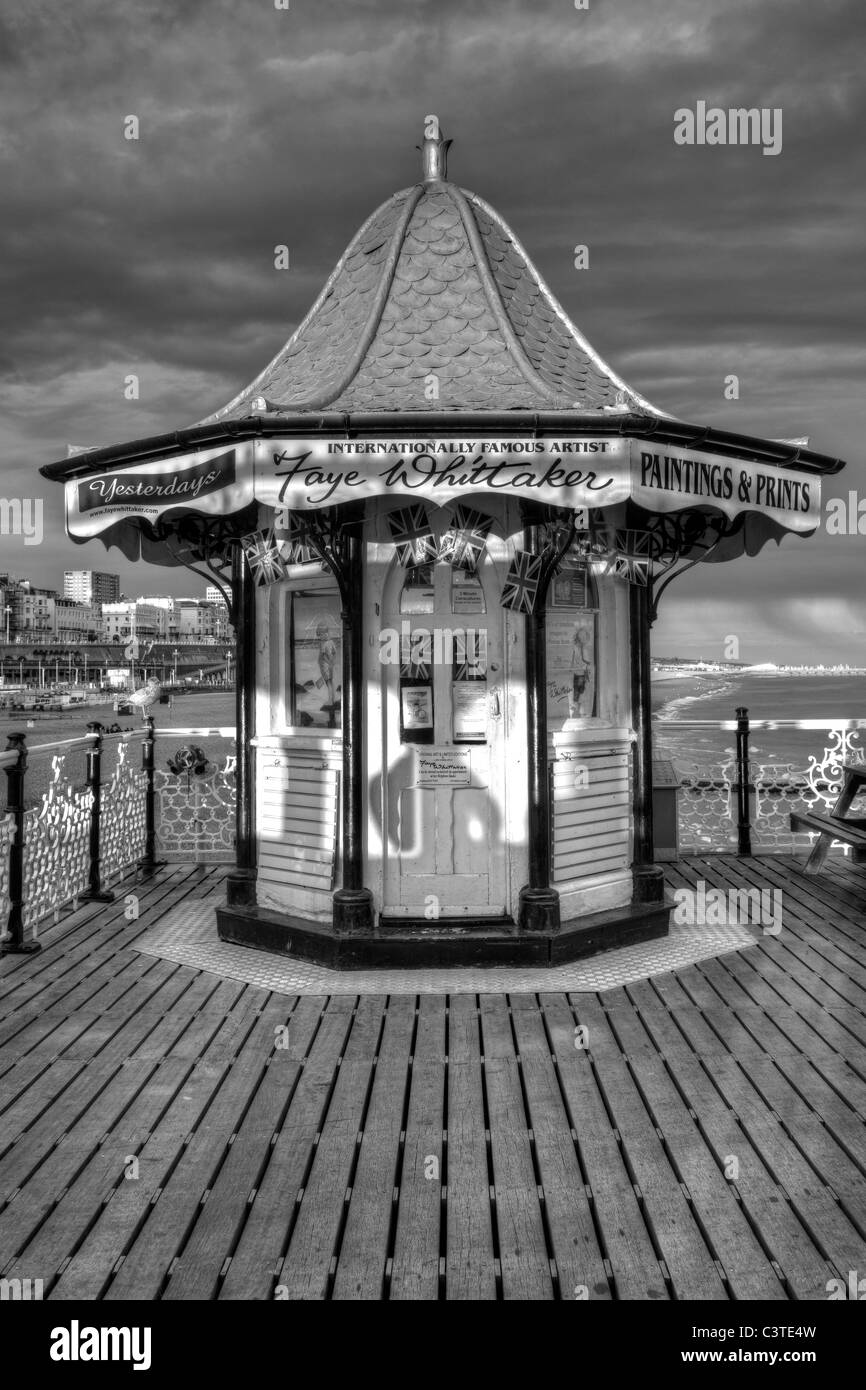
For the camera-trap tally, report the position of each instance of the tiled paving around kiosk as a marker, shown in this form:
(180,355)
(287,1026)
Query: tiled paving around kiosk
(696,1133)
(188,935)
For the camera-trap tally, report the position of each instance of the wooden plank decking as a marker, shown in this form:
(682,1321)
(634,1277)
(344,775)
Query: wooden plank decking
(708,1143)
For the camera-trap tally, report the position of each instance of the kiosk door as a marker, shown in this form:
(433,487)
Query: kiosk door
(445,743)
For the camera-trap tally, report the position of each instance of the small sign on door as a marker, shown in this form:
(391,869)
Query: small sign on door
(442,767)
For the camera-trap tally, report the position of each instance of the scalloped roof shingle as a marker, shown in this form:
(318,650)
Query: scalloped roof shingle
(436,306)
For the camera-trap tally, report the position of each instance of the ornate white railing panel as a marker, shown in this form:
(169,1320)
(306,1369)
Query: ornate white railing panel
(707,798)
(783,788)
(7,832)
(122,832)
(707,810)
(56,846)
(195,814)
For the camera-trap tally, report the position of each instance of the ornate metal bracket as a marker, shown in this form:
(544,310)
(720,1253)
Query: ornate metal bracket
(679,542)
(327,532)
(195,541)
(555,530)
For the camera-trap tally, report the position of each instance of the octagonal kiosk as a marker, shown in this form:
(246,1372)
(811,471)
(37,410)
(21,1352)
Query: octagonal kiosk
(443,523)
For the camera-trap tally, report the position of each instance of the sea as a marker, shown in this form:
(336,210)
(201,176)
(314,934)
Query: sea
(204,709)
(679,702)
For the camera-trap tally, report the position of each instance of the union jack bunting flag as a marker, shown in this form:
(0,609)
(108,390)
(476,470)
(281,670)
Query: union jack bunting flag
(634,542)
(634,568)
(293,544)
(521,582)
(411,534)
(632,556)
(465,539)
(264,559)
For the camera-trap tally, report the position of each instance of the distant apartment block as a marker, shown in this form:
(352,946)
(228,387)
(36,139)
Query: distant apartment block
(91,586)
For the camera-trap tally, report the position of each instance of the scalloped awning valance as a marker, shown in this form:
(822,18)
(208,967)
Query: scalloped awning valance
(302,474)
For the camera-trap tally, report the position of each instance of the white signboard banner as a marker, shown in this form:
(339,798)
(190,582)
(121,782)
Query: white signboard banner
(304,474)
(664,479)
(213,482)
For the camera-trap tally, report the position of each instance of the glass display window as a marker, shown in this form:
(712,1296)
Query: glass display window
(315,658)
(418,594)
(572,650)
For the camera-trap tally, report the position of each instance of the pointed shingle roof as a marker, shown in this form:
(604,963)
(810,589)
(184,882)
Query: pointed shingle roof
(436,306)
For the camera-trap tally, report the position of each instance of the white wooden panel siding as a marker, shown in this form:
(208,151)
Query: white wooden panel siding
(591,812)
(298,811)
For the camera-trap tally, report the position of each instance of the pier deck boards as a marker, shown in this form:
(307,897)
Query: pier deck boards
(697,1135)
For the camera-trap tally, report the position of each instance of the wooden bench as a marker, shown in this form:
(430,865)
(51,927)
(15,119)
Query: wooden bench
(837,824)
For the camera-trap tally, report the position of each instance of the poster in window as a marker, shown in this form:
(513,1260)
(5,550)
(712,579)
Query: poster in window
(417,707)
(469,706)
(418,592)
(569,589)
(570,664)
(467,595)
(316,660)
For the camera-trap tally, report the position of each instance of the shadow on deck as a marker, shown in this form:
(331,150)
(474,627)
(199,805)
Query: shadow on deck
(167,1133)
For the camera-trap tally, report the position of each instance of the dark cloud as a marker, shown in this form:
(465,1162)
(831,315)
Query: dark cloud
(261,126)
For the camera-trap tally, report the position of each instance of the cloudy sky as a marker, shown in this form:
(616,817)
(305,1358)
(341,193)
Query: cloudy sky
(261,126)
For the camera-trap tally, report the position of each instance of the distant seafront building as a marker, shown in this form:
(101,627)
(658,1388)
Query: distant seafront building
(74,621)
(130,617)
(30,613)
(191,619)
(446,524)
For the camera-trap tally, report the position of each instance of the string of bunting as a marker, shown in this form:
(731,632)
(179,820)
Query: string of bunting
(270,552)
(628,553)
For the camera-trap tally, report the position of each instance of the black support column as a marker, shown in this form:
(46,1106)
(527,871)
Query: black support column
(353,903)
(538,908)
(241,882)
(647,876)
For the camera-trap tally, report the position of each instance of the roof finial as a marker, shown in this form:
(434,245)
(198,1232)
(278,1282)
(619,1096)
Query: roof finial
(434,152)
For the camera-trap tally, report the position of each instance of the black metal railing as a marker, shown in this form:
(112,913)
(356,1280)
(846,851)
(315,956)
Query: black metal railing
(742,804)
(61,843)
